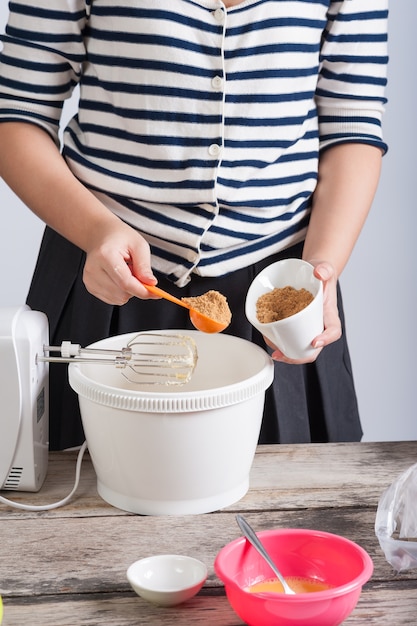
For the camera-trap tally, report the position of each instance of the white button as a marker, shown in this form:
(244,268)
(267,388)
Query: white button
(219,16)
(217,83)
(214,149)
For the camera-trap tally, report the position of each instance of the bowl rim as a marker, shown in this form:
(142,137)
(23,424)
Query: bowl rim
(174,401)
(354,584)
(165,557)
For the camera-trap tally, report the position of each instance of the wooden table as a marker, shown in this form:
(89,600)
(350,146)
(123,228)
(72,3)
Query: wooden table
(67,567)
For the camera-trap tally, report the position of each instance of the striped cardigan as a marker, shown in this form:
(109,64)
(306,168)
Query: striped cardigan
(200,126)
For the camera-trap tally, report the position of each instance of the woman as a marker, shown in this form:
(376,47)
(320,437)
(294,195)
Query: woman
(212,138)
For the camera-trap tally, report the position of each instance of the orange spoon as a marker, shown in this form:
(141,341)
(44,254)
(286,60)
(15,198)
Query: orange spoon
(199,320)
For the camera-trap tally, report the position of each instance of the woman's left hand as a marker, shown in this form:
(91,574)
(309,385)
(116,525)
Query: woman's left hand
(332,324)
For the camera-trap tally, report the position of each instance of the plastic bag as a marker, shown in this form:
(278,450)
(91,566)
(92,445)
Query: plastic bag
(396,521)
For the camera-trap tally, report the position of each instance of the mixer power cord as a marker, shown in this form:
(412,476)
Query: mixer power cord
(54,505)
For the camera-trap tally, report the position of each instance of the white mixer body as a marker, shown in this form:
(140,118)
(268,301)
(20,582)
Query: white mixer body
(24,403)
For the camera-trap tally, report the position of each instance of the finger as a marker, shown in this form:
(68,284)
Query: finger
(323,272)
(278,356)
(131,284)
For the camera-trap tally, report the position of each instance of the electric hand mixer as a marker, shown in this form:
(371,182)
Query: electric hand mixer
(149,358)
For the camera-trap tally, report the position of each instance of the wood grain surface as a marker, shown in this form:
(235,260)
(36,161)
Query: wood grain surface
(68,566)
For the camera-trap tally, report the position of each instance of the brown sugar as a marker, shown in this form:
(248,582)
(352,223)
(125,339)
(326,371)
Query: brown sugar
(212,304)
(281,302)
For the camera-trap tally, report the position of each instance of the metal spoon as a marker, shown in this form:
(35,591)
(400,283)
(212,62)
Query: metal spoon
(199,320)
(257,544)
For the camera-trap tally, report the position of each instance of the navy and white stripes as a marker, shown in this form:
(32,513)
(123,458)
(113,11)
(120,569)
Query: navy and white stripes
(198,125)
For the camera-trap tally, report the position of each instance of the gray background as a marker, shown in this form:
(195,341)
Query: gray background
(379,284)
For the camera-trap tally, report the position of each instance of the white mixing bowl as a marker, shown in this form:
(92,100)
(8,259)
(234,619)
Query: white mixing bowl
(175,450)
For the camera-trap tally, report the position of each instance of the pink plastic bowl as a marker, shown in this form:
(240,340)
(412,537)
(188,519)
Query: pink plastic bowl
(323,556)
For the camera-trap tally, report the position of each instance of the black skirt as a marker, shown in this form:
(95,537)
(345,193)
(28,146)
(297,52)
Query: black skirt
(306,403)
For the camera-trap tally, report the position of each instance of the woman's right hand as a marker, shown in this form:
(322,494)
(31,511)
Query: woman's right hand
(118,264)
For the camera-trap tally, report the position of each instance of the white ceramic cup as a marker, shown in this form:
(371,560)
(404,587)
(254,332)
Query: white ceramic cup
(292,335)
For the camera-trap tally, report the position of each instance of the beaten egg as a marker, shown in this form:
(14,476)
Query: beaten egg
(297,584)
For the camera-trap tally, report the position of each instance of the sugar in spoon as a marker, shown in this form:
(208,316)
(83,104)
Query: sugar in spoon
(199,320)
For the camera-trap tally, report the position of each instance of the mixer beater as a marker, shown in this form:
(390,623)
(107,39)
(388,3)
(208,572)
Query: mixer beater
(147,359)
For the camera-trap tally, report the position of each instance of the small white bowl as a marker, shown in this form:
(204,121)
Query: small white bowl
(292,335)
(167,579)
